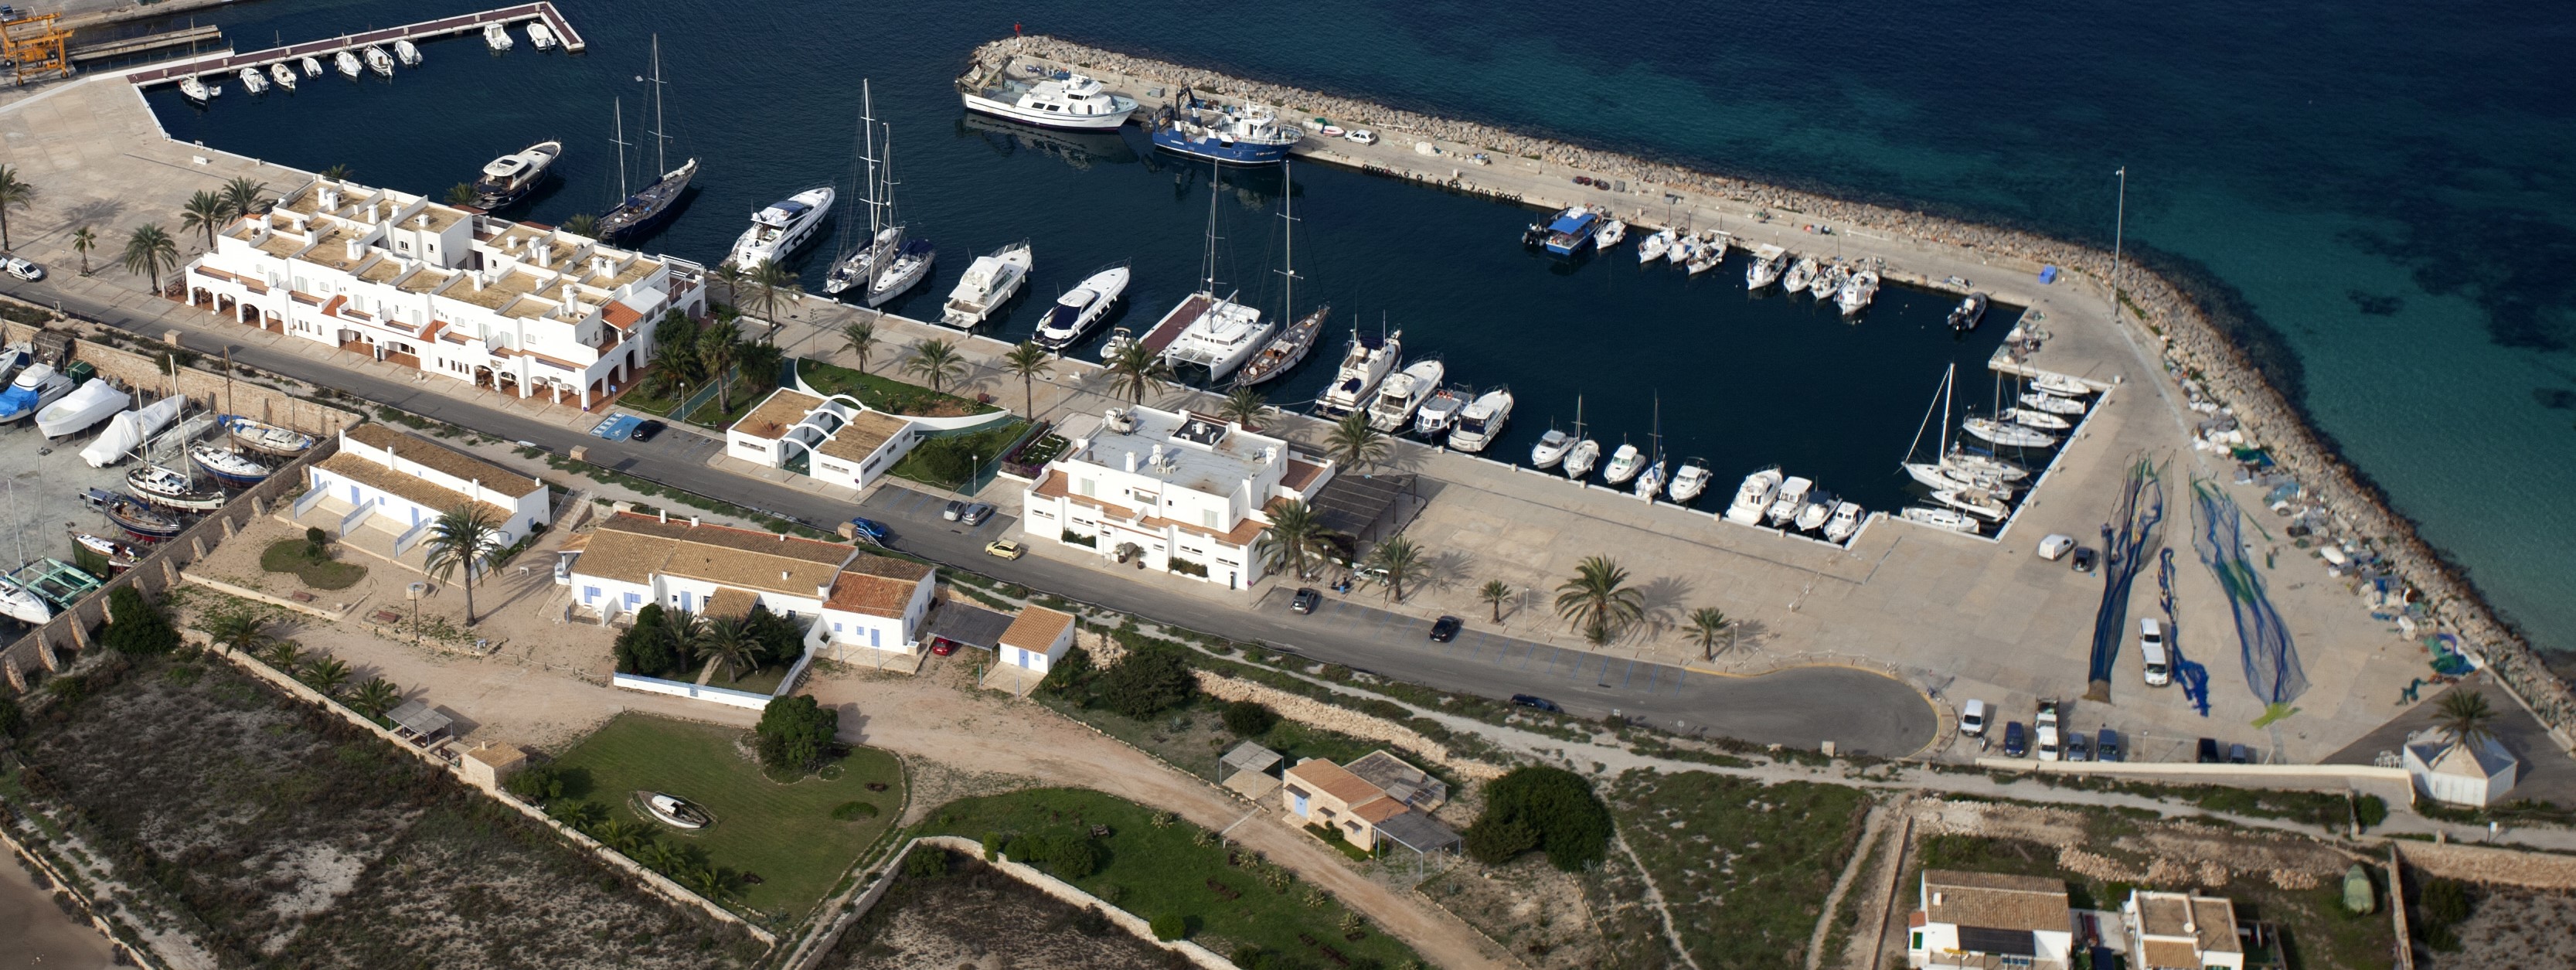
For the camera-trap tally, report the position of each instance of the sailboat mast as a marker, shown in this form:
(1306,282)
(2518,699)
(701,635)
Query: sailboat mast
(1207,262)
(661,136)
(868,122)
(1947,382)
(618,105)
(1288,211)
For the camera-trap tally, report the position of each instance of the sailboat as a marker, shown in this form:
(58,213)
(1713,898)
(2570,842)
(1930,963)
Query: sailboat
(1346,394)
(1210,335)
(1651,481)
(907,259)
(1585,452)
(859,254)
(1949,469)
(645,209)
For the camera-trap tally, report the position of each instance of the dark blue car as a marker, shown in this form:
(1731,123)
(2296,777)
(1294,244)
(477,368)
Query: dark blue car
(2107,746)
(2016,741)
(868,529)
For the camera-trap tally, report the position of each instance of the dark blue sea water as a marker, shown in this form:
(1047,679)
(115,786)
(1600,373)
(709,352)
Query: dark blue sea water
(2376,195)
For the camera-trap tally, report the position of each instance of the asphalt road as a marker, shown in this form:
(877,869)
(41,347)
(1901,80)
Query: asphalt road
(1860,711)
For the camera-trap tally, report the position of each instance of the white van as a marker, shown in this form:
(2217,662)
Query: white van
(2151,649)
(1972,719)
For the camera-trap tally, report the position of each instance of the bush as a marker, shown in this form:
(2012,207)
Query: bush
(992,846)
(640,649)
(1070,673)
(924,862)
(316,541)
(1151,678)
(1170,926)
(1068,855)
(2373,810)
(1249,718)
(9,718)
(948,459)
(780,641)
(795,733)
(536,783)
(1557,810)
(135,626)
(853,811)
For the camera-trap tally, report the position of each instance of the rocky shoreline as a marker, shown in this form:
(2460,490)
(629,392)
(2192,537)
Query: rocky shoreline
(2194,348)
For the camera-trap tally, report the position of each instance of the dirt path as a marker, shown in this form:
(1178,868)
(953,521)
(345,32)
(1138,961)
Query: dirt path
(1870,831)
(1655,900)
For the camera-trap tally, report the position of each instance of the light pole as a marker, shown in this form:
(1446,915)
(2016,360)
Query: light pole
(2119,226)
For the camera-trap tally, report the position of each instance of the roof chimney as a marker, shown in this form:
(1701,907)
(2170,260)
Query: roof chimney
(662,515)
(693,521)
(421,220)
(356,248)
(1131,461)
(782,575)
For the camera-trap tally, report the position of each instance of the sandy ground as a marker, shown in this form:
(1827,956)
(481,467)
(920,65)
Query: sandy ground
(35,933)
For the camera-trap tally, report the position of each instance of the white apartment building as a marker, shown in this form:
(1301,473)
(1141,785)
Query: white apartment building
(401,483)
(841,441)
(1178,491)
(520,307)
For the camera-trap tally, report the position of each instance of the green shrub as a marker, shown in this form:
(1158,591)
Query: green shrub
(1069,855)
(2372,809)
(992,846)
(1111,893)
(1557,809)
(536,783)
(924,862)
(853,811)
(135,626)
(1150,679)
(1249,718)
(795,733)
(1170,926)
(1495,841)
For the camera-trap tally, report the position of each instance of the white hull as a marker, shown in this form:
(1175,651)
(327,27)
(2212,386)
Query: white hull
(497,37)
(1220,340)
(1579,460)
(1402,395)
(1813,516)
(312,68)
(283,75)
(992,281)
(2012,435)
(1691,480)
(23,606)
(1655,246)
(1793,497)
(1753,498)
(2052,403)
(1078,311)
(777,231)
(1482,421)
(348,64)
(407,53)
(1950,519)
(1651,482)
(1363,368)
(540,36)
(1799,275)
(1042,118)
(253,81)
(380,62)
(1437,414)
(2062,385)
(1609,235)
(1625,463)
(2034,418)
(1550,450)
(1844,523)
(1973,503)
(96,401)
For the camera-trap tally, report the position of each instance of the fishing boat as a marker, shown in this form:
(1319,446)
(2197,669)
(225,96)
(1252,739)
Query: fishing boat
(509,178)
(2007,433)
(497,37)
(1799,275)
(2051,403)
(1857,292)
(1653,247)
(407,52)
(1625,463)
(1550,449)
(1482,421)
(540,36)
(1402,393)
(1685,245)
(1248,134)
(1690,480)
(132,515)
(1063,100)
(1439,412)
(1968,313)
(35,388)
(1820,506)
(23,605)
(645,209)
(1950,519)
(671,809)
(1828,281)
(1844,523)
(234,469)
(1076,312)
(1765,268)
(379,61)
(1793,496)
(1368,362)
(1571,231)
(94,402)
(266,438)
(312,67)
(120,556)
(197,90)
(283,75)
(1973,502)
(1753,498)
(169,489)
(1710,251)
(128,429)
(1610,233)
(252,80)
(2062,385)
(990,281)
(779,228)
(348,64)
(2035,418)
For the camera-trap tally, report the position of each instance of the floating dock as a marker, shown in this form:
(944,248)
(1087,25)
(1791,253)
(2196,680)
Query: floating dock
(324,49)
(201,33)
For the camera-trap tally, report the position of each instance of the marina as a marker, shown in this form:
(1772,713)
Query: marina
(542,15)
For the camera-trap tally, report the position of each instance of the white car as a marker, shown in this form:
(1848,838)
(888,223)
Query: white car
(22,269)
(1362,136)
(1972,719)
(2151,652)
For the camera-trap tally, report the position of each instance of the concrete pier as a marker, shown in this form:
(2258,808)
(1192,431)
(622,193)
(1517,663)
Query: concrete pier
(324,49)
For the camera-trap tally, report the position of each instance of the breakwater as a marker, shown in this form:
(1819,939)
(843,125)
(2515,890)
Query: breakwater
(2193,347)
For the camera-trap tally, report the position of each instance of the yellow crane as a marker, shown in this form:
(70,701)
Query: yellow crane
(36,49)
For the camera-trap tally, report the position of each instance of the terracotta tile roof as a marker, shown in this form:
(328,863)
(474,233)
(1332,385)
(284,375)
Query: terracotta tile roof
(1036,628)
(357,468)
(1299,475)
(872,595)
(1995,901)
(888,567)
(731,602)
(2171,955)
(1378,810)
(776,414)
(619,315)
(633,546)
(1057,486)
(1329,778)
(626,557)
(465,467)
(866,432)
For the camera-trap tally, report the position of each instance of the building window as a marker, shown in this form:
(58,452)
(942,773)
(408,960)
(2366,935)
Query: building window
(1207,517)
(1918,940)
(1085,487)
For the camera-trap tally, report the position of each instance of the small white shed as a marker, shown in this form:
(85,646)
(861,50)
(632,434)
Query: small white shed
(2460,774)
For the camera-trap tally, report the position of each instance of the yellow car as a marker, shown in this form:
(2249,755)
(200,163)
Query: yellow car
(1005,548)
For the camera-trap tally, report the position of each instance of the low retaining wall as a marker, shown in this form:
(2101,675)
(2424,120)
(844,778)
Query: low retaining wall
(1050,885)
(2487,864)
(720,695)
(2340,776)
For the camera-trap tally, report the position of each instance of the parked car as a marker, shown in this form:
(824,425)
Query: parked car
(2056,546)
(1445,629)
(2051,747)
(869,529)
(1005,549)
(22,269)
(2151,651)
(2078,746)
(2084,556)
(1535,702)
(1972,718)
(942,646)
(953,511)
(2016,743)
(976,513)
(1306,600)
(2238,754)
(646,431)
(2208,751)
(2106,746)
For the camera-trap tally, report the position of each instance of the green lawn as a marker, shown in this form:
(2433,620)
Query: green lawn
(784,834)
(974,452)
(1744,867)
(885,393)
(289,556)
(1154,871)
(745,396)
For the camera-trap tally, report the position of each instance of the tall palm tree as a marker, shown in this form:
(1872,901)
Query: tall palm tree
(1599,600)
(1355,443)
(151,252)
(461,194)
(326,675)
(284,657)
(582,224)
(936,361)
(728,640)
(242,194)
(684,633)
(1495,593)
(1135,368)
(760,363)
(1296,534)
(240,632)
(861,337)
(462,537)
(14,194)
(84,239)
(1398,558)
(205,211)
(1709,625)
(338,172)
(1028,362)
(1243,406)
(731,276)
(719,349)
(375,697)
(2464,713)
(771,282)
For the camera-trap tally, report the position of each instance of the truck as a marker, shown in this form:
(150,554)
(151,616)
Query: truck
(2050,747)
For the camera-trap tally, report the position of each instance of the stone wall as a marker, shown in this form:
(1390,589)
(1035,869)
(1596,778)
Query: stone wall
(2193,344)
(1135,925)
(204,388)
(2486,864)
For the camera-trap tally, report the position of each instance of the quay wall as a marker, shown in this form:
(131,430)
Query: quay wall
(2193,345)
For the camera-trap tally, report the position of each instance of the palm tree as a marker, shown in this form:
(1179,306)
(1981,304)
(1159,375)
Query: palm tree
(684,633)
(731,276)
(325,675)
(772,281)
(206,211)
(2464,713)
(861,337)
(284,657)
(84,239)
(240,632)
(1495,593)
(463,536)
(1397,558)
(1295,534)
(338,172)
(1708,625)
(760,363)
(1244,406)
(710,883)
(151,252)
(1134,368)
(1598,599)
(729,641)
(582,224)
(1028,362)
(719,349)
(241,194)
(936,361)
(659,857)
(375,697)
(14,194)
(623,834)
(1355,443)
(461,194)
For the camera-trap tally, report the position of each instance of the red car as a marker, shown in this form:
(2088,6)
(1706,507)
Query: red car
(942,647)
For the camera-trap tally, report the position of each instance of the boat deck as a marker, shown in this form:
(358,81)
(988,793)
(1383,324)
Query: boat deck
(325,49)
(1178,320)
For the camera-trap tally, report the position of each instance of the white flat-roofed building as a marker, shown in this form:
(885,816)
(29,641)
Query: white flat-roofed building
(1990,921)
(1184,492)
(2181,931)
(841,441)
(520,307)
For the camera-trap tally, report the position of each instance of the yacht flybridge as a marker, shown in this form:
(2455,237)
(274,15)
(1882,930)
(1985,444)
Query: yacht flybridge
(1076,312)
(777,231)
(1482,421)
(990,281)
(510,178)
(1062,100)
(1371,358)
(1402,394)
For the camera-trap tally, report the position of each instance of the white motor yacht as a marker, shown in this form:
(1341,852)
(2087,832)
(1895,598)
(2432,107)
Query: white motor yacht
(283,75)
(1753,498)
(1765,268)
(540,36)
(2051,403)
(252,80)
(1951,519)
(990,281)
(1608,235)
(497,37)
(1690,480)
(1580,458)
(1402,394)
(1366,365)
(776,231)
(1857,292)
(406,52)
(1651,481)
(1793,496)
(1077,311)
(1550,449)
(1653,247)
(1799,274)
(348,64)
(1074,101)
(509,178)
(379,61)
(1624,464)
(1438,413)
(1844,523)
(36,388)
(1219,341)
(2036,418)
(1482,421)
(2062,385)
(312,68)
(2007,433)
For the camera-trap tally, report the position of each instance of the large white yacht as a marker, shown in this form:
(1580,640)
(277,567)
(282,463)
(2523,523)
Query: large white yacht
(1370,359)
(511,177)
(1072,101)
(778,230)
(990,281)
(1753,498)
(1074,313)
(1482,421)
(1219,341)
(1402,394)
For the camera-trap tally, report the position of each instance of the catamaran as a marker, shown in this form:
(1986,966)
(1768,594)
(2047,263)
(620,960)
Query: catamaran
(642,210)
(1482,421)
(776,231)
(990,281)
(1075,312)
(1753,498)
(1402,394)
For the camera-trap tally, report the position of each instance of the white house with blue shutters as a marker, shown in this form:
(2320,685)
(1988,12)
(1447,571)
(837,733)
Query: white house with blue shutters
(394,485)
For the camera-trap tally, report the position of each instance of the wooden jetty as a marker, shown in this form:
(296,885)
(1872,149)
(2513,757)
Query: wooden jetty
(324,49)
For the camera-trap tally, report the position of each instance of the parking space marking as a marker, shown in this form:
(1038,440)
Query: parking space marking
(1629,675)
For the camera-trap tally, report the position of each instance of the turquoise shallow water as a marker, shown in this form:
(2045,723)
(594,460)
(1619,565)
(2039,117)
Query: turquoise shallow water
(2375,195)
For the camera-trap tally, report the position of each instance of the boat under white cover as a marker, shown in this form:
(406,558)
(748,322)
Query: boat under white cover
(129,429)
(92,403)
